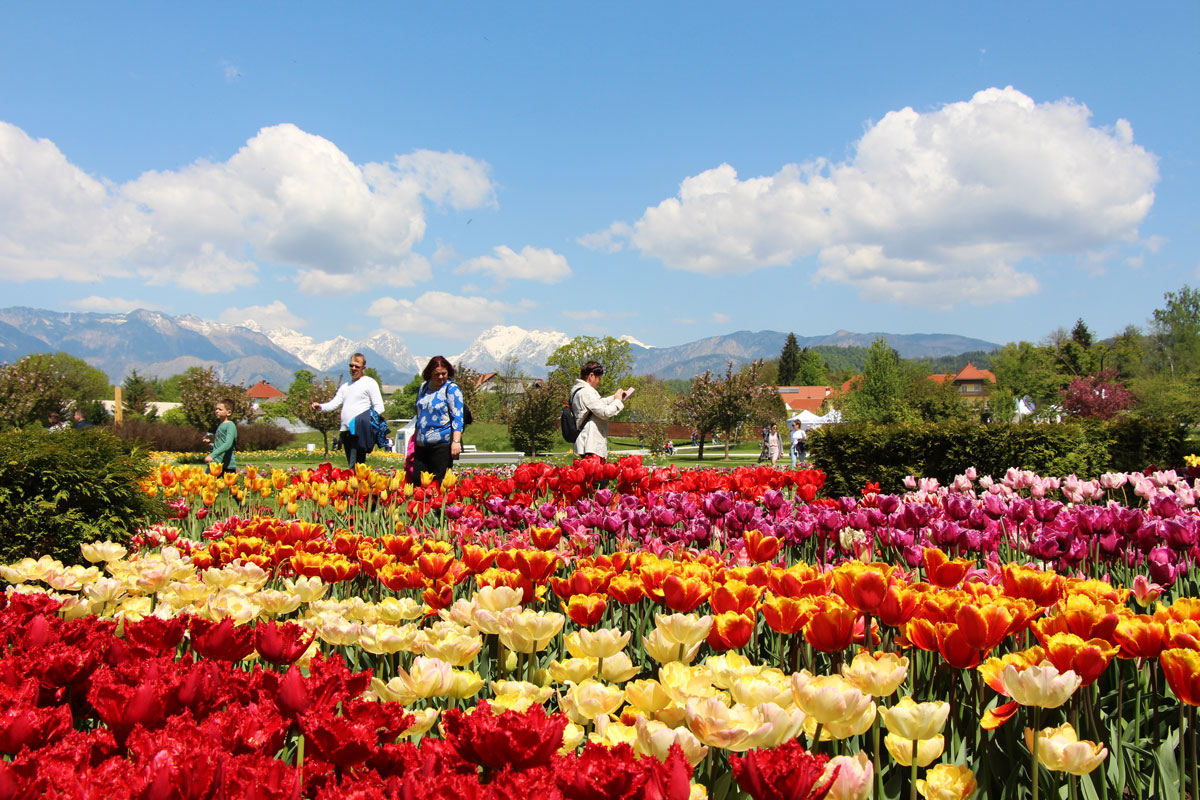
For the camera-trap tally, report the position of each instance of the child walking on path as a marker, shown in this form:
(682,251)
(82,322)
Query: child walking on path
(226,437)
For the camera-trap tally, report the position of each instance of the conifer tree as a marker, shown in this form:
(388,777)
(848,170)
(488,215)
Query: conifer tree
(789,361)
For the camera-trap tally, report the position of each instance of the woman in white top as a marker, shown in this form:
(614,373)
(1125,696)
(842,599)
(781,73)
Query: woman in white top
(774,444)
(355,397)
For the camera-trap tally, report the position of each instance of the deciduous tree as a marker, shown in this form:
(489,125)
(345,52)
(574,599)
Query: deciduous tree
(533,418)
(615,355)
(303,392)
(199,392)
(30,389)
(1096,396)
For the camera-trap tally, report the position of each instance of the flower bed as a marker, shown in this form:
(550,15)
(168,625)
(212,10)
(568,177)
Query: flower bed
(685,632)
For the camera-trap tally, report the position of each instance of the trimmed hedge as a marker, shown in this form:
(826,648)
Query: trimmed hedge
(58,490)
(852,455)
(170,438)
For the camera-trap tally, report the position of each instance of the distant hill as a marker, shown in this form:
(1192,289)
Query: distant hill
(161,345)
(715,352)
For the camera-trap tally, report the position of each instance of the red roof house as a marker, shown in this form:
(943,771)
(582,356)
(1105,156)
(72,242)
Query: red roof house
(804,398)
(264,391)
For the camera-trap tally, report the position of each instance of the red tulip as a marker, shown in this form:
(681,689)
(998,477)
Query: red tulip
(221,641)
(281,643)
(787,772)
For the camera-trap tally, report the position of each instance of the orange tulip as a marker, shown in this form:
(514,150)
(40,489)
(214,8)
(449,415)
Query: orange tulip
(1182,669)
(545,538)
(652,577)
(831,628)
(585,610)
(735,596)
(535,565)
(799,580)
(1183,608)
(899,605)
(401,576)
(921,634)
(477,559)
(585,580)
(1081,615)
(1183,633)
(759,548)
(985,626)
(684,594)
(786,614)
(943,571)
(1140,636)
(1088,659)
(862,586)
(1043,588)
(956,648)
(434,565)
(730,631)
(438,596)
(626,589)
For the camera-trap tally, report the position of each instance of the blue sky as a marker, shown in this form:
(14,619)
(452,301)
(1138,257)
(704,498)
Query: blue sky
(665,170)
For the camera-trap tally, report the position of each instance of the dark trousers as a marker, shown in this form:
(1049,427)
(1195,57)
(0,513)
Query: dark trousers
(432,458)
(350,445)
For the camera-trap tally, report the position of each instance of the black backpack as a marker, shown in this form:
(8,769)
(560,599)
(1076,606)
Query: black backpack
(570,431)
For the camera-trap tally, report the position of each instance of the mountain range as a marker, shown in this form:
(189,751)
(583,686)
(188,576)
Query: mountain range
(161,345)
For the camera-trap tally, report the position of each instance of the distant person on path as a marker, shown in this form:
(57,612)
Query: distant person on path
(56,423)
(80,420)
(439,420)
(360,394)
(593,412)
(226,437)
(774,444)
(798,443)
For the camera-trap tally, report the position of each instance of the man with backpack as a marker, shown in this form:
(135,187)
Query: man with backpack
(591,413)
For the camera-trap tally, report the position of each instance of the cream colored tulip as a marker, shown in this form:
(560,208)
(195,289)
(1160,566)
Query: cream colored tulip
(249,574)
(190,592)
(396,609)
(73,578)
(394,691)
(73,607)
(590,699)
(461,611)
(104,591)
(611,734)
(601,643)
(764,687)
(730,667)
(466,683)
(911,720)
(527,631)
(664,651)
(134,609)
(655,739)
(855,726)
(384,639)
(498,598)
(95,552)
(233,603)
(1042,686)
(947,782)
(572,670)
(572,737)
(538,694)
(928,750)
(683,629)
(877,674)
(854,777)
(423,721)
(275,603)
(218,578)
(1060,749)
(683,683)
(308,589)
(828,698)
(783,725)
(337,631)
(619,668)
(718,725)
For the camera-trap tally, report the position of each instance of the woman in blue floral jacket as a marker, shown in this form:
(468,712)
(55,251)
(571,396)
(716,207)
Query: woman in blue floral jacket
(439,420)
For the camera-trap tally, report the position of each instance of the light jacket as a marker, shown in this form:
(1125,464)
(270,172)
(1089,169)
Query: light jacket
(593,431)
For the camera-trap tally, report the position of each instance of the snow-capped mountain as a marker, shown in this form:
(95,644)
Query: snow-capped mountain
(635,342)
(384,352)
(496,347)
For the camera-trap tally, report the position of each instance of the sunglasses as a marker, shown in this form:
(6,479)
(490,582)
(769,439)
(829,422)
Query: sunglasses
(356,366)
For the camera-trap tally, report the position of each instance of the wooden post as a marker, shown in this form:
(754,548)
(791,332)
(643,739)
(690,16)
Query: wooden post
(118,407)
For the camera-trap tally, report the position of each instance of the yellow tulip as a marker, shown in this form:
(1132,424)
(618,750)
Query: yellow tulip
(572,670)
(647,696)
(911,720)
(102,551)
(528,631)
(683,629)
(572,738)
(828,698)
(665,651)
(465,683)
(947,782)
(424,719)
(600,643)
(730,667)
(928,750)
(619,668)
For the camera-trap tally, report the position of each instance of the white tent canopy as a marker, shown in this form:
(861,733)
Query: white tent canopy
(809,420)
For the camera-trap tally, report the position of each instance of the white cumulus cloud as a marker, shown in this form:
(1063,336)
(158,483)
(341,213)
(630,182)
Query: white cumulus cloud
(269,317)
(532,264)
(932,208)
(438,313)
(286,198)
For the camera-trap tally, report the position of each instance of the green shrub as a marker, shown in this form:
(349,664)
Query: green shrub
(163,436)
(262,436)
(853,454)
(58,490)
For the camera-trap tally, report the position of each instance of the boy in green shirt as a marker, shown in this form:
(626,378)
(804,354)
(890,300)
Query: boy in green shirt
(226,437)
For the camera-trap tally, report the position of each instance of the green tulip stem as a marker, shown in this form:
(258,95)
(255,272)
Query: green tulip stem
(1182,750)
(878,772)
(912,791)
(1033,751)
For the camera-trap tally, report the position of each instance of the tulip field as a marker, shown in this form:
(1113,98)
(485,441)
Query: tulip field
(614,630)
